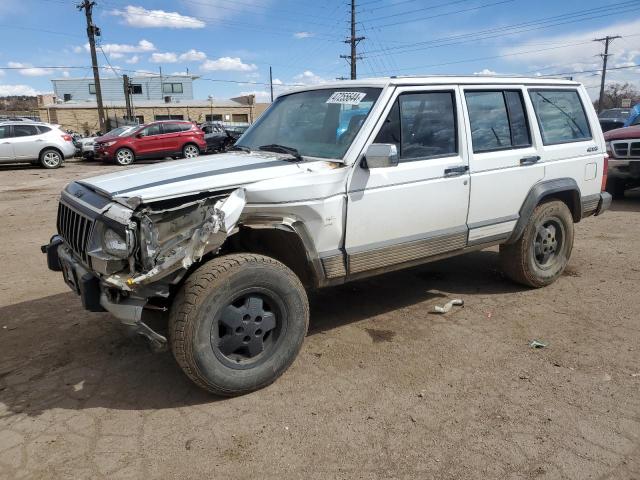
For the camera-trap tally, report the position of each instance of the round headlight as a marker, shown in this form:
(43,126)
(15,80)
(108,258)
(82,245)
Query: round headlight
(114,244)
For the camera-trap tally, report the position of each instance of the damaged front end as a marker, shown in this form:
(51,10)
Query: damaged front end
(125,257)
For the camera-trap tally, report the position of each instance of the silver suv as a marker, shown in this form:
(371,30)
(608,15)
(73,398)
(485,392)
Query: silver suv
(333,183)
(34,142)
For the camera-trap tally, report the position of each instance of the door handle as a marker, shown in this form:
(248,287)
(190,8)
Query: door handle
(6,143)
(456,171)
(530,160)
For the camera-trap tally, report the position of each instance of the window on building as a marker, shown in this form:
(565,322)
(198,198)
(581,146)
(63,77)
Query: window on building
(138,119)
(422,125)
(561,116)
(24,130)
(92,88)
(498,120)
(169,117)
(240,117)
(216,117)
(136,88)
(172,88)
(66,97)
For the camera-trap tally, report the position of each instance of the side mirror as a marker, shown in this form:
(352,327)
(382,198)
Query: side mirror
(139,135)
(381,155)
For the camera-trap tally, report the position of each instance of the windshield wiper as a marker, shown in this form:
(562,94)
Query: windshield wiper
(240,148)
(274,147)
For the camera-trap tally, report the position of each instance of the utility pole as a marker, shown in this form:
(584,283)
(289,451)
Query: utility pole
(608,39)
(353,57)
(92,32)
(127,96)
(271,82)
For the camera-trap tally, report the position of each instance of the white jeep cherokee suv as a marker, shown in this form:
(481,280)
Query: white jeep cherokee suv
(333,183)
(34,142)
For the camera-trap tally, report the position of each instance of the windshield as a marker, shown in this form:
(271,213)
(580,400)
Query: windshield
(120,131)
(615,113)
(316,123)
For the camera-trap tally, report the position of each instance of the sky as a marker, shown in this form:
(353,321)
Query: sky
(230,44)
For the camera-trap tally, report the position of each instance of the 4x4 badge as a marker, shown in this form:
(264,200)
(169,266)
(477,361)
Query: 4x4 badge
(592,149)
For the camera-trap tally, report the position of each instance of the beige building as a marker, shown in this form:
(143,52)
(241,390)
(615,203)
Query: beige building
(82,117)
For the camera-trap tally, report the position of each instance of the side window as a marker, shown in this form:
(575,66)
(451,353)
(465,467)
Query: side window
(498,120)
(172,128)
(24,130)
(43,129)
(561,116)
(151,130)
(5,131)
(421,125)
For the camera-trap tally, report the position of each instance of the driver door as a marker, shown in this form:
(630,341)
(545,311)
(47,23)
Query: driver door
(417,208)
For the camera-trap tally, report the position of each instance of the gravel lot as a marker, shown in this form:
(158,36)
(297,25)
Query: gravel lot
(381,389)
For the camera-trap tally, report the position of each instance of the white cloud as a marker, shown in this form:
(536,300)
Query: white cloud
(309,78)
(485,71)
(111,48)
(228,64)
(217,10)
(66,74)
(193,56)
(133,60)
(28,70)
(7,90)
(1,73)
(116,55)
(142,18)
(167,57)
(301,35)
(576,52)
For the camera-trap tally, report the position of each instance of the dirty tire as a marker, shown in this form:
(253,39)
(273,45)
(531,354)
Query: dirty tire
(206,296)
(522,260)
(124,157)
(51,158)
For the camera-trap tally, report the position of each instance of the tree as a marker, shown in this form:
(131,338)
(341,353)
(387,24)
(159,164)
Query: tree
(614,93)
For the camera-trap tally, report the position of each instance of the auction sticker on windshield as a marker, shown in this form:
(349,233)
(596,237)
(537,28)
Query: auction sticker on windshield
(346,98)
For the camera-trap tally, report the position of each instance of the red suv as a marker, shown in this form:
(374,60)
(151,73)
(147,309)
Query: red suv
(154,140)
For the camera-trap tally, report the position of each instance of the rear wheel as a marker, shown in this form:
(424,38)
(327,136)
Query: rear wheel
(541,254)
(51,158)
(238,323)
(124,157)
(190,151)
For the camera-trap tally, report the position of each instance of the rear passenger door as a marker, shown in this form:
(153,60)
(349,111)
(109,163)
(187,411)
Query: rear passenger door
(418,208)
(6,144)
(171,133)
(504,161)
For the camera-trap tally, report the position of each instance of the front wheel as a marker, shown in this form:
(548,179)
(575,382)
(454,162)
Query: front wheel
(238,323)
(51,158)
(124,157)
(541,254)
(190,151)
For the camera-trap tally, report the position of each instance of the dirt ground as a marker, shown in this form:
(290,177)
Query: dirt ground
(381,389)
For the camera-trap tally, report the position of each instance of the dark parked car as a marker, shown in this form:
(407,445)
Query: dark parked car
(613,118)
(623,147)
(218,138)
(154,140)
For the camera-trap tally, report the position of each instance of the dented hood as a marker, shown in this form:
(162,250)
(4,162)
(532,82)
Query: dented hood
(182,177)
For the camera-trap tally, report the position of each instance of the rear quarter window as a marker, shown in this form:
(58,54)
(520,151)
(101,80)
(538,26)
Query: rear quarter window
(561,116)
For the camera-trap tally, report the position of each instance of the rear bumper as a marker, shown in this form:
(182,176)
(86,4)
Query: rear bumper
(604,203)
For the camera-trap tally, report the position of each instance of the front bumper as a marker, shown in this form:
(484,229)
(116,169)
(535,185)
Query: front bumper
(96,298)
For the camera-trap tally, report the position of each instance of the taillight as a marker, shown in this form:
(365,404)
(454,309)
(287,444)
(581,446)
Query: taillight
(67,138)
(605,173)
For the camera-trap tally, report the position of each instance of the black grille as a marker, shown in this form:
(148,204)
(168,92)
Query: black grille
(635,149)
(621,149)
(76,229)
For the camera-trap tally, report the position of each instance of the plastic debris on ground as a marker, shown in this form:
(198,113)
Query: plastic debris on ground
(538,344)
(446,308)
